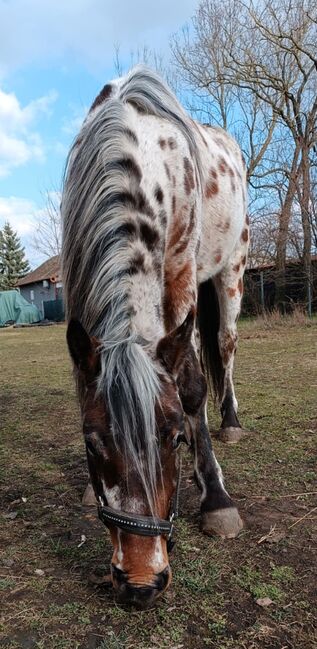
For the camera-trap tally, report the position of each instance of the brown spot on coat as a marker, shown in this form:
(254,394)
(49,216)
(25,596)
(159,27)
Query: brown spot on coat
(182,246)
(245,235)
(103,96)
(218,257)
(167,169)
(236,268)
(173,204)
(177,232)
(223,226)
(178,291)
(172,143)
(223,166)
(244,260)
(189,182)
(211,187)
(247,220)
(228,347)
(162,143)
(191,223)
(231,292)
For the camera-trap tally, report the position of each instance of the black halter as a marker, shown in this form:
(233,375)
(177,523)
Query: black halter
(144,525)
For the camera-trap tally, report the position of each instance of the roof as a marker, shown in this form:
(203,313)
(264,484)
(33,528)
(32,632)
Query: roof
(50,268)
(289,262)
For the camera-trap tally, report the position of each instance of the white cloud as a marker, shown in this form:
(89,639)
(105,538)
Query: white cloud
(20,213)
(19,143)
(86,30)
(23,216)
(73,124)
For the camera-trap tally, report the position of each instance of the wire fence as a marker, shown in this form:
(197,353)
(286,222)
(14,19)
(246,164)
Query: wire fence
(266,289)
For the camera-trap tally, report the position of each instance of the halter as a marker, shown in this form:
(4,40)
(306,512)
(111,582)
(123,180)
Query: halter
(145,525)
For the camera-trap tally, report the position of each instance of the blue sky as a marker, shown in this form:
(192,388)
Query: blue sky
(55,55)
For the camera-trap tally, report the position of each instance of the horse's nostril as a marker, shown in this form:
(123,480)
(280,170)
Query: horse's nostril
(161,580)
(118,575)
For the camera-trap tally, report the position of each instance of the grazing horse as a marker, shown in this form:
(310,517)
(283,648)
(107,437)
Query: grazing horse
(155,239)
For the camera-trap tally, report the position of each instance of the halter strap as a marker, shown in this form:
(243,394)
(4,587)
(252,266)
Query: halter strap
(144,525)
(141,525)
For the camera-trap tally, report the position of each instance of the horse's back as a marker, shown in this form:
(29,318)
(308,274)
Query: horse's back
(224,201)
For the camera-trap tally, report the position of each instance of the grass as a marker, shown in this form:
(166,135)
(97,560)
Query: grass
(212,601)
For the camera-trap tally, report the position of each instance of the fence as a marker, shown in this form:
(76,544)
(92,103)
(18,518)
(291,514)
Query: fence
(265,289)
(54,310)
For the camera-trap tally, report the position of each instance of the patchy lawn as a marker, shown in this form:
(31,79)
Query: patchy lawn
(212,600)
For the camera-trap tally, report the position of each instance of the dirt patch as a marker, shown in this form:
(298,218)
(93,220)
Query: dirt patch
(216,584)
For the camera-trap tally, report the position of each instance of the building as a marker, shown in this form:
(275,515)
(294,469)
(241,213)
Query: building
(43,286)
(262,285)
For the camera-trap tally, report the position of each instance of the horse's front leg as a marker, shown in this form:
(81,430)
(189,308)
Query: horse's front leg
(219,515)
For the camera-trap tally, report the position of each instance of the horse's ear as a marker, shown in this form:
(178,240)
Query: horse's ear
(172,349)
(81,346)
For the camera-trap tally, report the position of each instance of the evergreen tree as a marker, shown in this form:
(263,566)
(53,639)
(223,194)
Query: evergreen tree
(13,264)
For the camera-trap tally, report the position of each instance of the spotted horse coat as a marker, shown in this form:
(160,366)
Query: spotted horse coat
(155,235)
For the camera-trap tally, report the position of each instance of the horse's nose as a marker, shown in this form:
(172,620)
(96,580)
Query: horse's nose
(139,596)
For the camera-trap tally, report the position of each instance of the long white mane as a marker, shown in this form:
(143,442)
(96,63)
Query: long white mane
(99,191)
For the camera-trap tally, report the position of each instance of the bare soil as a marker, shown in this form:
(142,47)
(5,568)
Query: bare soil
(216,584)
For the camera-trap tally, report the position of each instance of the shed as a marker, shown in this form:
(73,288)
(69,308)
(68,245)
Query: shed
(42,284)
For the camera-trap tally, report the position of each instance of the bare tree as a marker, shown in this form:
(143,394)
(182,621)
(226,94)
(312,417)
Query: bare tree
(281,70)
(48,235)
(267,49)
(199,57)
(148,57)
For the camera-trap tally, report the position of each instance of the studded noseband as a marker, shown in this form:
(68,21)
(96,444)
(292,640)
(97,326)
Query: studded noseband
(144,525)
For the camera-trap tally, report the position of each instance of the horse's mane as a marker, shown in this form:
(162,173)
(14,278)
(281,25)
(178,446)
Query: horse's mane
(96,261)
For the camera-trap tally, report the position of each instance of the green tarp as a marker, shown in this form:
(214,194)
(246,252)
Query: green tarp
(13,307)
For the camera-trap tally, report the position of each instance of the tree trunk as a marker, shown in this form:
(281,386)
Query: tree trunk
(281,245)
(304,205)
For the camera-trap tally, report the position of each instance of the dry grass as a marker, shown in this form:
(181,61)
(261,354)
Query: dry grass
(212,601)
(274,318)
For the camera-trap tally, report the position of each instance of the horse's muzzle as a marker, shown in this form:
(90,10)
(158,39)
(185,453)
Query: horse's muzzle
(139,596)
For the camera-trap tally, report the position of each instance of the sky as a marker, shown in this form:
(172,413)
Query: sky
(55,56)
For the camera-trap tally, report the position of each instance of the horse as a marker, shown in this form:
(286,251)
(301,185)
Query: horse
(155,242)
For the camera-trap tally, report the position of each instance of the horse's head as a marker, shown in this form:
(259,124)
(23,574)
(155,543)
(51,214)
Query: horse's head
(140,566)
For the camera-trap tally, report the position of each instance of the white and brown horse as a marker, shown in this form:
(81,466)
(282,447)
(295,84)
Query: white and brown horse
(155,239)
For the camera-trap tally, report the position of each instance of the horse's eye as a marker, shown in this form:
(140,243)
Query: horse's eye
(178,439)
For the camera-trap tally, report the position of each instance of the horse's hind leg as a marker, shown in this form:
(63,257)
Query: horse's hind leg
(229,287)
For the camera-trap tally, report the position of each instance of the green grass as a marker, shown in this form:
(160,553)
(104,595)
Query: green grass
(212,599)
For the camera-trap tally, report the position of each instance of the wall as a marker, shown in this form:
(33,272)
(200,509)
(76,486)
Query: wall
(41,294)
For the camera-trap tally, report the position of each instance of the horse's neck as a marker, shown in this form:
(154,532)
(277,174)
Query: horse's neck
(146,307)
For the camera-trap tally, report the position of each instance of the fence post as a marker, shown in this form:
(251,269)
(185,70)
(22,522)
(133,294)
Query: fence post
(262,289)
(309,298)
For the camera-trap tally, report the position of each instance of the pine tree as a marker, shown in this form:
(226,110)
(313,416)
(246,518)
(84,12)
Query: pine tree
(13,263)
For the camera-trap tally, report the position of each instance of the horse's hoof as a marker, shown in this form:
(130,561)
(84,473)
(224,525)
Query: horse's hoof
(231,434)
(89,498)
(225,523)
